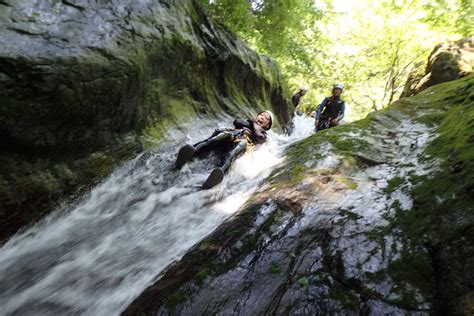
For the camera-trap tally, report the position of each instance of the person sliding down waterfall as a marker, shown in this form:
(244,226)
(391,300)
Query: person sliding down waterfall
(332,109)
(234,142)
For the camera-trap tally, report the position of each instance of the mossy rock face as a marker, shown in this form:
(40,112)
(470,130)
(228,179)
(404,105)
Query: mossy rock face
(375,217)
(72,90)
(448,61)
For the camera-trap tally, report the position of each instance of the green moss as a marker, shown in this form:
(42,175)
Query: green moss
(275,268)
(434,101)
(175,299)
(377,277)
(393,184)
(450,191)
(303,281)
(351,185)
(202,275)
(413,268)
(349,149)
(432,119)
(63,171)
(98,164)
(349,214)
(349,299)
(433,232)
(250,244)
(207,245)
(350,163)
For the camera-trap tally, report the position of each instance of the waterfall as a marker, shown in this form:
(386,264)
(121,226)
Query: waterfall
(95,256)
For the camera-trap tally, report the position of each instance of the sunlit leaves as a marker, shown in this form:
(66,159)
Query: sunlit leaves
(369,45)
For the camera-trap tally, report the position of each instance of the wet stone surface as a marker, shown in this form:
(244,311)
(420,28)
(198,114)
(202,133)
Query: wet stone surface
(337,229)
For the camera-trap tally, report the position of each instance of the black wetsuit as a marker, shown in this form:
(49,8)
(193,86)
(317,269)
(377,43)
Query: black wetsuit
(295,99)
(234,142)
(258,134)
(330,108)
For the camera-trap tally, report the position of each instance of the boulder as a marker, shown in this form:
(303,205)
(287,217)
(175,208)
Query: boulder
(448,61)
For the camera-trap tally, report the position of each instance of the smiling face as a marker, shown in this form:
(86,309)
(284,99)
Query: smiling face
(263,119)
(336,92)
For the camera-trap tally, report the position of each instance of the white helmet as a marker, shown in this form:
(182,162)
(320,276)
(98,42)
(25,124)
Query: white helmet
(338,86)
(304,88)
(271,118)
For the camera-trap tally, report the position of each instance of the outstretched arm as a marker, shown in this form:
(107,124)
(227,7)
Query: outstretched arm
(341,112)
(259,134)
(240,123)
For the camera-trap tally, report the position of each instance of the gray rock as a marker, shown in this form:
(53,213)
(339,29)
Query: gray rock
(448,61)
(333,233)
(84,77)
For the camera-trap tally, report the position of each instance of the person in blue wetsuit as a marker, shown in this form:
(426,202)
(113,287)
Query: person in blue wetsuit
(232,141)
(331,111)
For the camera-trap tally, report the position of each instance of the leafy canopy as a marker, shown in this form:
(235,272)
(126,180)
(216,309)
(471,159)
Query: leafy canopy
(369,45)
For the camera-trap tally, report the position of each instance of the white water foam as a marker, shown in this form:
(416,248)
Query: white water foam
(94,257)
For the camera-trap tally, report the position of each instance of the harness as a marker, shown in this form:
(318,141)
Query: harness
(324,123)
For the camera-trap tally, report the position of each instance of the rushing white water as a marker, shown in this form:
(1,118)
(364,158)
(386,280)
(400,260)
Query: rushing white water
(94,257)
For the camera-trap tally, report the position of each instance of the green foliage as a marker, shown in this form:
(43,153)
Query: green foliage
(369,45)
(235,14)
(457,16)
(272,27)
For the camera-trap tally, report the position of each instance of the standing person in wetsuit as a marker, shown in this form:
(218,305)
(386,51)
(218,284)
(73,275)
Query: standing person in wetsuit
(296,98)
(331,111)
(245,134)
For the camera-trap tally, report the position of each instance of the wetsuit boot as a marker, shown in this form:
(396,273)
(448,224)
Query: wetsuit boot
(217,175)
(184,155)
(188,151)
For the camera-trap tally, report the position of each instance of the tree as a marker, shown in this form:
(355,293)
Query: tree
(369,45)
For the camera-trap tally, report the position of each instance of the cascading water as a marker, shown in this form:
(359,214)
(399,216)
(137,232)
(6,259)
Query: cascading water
(94,257)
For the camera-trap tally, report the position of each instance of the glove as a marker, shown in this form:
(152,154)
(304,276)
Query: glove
(246,132)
